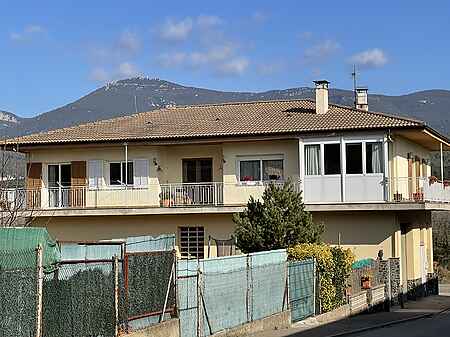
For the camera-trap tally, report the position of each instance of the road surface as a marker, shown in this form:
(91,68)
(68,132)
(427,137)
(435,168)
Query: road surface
(435,326)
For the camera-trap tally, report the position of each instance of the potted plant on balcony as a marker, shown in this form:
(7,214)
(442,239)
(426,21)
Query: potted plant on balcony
(366,281)
(165,201)
(432,180)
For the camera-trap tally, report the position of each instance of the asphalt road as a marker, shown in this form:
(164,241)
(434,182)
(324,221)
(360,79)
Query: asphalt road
(435,326)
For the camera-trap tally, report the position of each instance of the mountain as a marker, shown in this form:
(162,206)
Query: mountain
(128,96)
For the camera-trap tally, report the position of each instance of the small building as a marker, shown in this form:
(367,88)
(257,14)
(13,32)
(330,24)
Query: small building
(186,170)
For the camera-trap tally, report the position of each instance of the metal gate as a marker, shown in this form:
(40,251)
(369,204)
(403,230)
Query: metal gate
(302,284)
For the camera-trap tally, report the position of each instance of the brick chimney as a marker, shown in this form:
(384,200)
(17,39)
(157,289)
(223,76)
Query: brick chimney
(321,96)
(361,100)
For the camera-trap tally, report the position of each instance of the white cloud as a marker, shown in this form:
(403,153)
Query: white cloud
(176,30)
(321,51)
(129,42)
(27,33)
(208,21)
(371,58)
(268,69)
(234,67)
(99,74)
(127,69)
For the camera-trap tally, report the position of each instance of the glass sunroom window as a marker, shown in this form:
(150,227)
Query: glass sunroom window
(332,158)
(312,160)
(374,157)
(353,153)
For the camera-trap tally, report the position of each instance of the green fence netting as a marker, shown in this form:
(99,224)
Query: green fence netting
(78,300)
(18,291)
(302,280)
(28,238)
(147,281)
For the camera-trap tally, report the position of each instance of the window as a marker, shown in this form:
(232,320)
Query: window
(353,153)
(192,242)
(261,169)
(332,158)
(197,170)
(117,173)
(374,154)
(312,160)
(272,169)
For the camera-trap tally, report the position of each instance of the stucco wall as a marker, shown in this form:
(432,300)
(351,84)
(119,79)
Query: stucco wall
(232,152)
(365,233)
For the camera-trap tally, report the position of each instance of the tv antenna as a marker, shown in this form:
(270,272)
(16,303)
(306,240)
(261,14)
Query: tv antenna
(354,75)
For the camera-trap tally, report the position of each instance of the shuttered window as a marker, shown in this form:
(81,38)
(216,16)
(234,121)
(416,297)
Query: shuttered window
(192,242)
(141,173)
(95,168)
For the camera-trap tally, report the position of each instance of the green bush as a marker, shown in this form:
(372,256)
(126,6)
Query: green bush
(278,221)
(334,266)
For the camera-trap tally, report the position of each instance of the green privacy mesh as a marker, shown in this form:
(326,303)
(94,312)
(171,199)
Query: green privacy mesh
(301,289)
(78,300)
(146,283)
(18,289)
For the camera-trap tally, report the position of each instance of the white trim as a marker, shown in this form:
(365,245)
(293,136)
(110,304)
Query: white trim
(121,185)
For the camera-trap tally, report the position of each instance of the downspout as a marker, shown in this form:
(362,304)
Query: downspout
(442,164)
(126,164)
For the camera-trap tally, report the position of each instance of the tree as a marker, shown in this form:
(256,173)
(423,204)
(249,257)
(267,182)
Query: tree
(279,221)
(17,204)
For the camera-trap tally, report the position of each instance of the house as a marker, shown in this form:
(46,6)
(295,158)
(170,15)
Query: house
(186,170)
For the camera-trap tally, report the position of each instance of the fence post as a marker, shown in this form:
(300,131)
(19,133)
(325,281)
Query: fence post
(200,328)
(116,295)
(40,283)
(314,283)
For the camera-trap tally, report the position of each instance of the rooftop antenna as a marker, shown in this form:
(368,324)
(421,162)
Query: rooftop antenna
(354,74)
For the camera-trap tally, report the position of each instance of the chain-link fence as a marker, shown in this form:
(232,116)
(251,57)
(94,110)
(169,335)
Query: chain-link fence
(302,288)
(18,293)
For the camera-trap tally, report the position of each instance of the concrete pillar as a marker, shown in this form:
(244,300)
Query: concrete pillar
(430,249)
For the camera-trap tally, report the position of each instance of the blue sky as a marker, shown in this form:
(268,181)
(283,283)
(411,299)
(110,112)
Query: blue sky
(53,52)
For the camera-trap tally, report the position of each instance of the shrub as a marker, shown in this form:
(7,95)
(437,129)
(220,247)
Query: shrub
(279,221)
(334,266)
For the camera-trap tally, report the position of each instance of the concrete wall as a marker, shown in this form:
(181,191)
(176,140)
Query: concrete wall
(170,328)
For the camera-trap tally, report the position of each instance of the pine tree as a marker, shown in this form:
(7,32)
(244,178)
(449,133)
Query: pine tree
(278,221)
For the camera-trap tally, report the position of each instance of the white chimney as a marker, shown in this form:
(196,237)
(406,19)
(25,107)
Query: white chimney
(321,96)
(361,100)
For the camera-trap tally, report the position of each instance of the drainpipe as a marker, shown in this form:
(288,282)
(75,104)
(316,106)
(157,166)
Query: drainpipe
(126,164)
(442,164)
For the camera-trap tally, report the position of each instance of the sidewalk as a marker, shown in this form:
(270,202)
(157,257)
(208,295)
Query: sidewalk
(413,309)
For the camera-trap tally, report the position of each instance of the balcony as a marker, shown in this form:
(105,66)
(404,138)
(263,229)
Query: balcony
(421,189)
(215,194)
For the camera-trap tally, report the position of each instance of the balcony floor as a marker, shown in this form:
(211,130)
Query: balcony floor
(323,207)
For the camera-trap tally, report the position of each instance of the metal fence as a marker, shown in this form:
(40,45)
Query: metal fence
(370,271)
(18,293)
(302,289)
(216,294)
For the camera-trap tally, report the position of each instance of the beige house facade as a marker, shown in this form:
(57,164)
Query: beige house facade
(186,170)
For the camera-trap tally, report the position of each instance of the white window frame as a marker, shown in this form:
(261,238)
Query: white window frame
(260,158)
(347,140)
(121,174)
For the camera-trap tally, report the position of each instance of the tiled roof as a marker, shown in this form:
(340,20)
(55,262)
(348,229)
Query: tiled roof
(218,120)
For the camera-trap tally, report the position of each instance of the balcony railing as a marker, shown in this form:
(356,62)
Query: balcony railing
(191,194)
(419,189)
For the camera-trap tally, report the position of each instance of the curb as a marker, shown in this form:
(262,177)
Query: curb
(383,325)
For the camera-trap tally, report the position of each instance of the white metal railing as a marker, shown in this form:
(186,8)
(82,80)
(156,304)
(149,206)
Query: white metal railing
(191,194)
(418,189)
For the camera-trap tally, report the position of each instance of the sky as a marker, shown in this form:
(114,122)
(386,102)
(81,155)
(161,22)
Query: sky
(54,52)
